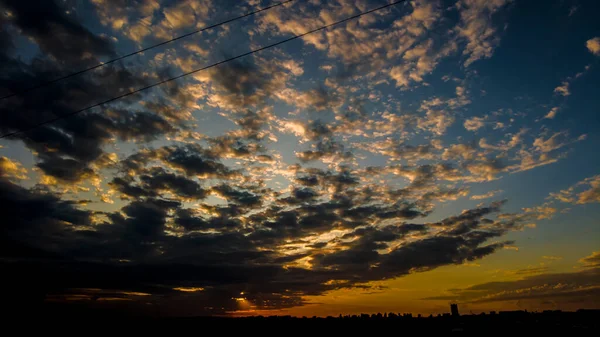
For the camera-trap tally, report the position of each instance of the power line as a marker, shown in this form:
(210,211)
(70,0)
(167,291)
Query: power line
(58,79)
(201,69)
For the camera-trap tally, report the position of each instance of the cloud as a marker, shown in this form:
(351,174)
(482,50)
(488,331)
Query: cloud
(419,61)
(563,89)
(454,151)
(529,270)
(565,290)
(593,45)
(592,194)
(144,219)
(398,150)
(552,113)
(27,231)
(477,29)
(575,194)
(139,179)
(193,160)
(243,198)
(57,34)
(319,99)
(487,195)
(239,84)
(485,170)
(248,83)
(11,169)
(361,46)
(573,10)
(72,149)
(142,19)
(439,113)
(474,123)
(259,243)
(591,261)
(554,142)
(185,14)
(156,181)
(515,140)
(115,14)
(541,212)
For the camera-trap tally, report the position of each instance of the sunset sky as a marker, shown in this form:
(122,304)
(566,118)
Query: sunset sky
(426,153)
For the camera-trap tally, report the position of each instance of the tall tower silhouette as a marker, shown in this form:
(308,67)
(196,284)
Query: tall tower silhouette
(454,309)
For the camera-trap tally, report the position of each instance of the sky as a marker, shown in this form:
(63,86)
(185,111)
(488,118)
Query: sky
(428,153)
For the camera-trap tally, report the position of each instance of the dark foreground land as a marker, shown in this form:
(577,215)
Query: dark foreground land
(552,323)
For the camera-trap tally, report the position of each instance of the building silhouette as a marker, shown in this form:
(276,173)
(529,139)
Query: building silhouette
(454,309)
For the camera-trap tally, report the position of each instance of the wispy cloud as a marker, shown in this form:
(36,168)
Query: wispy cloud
(487,195)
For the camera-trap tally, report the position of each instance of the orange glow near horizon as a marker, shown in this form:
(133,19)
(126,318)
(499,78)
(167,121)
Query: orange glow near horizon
(189,289)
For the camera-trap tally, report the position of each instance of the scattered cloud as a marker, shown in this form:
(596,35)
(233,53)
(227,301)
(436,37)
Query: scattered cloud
(591,261)
(563,89)
(541,212)
(592,193)
(565,290)
(538,288)
(477,29)
(12,169)
(552,113)
(573,10)
(584,192)
(593,45)
(474,123)
(487,195)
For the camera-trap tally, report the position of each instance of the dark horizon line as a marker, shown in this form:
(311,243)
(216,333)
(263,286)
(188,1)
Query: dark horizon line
(64,307)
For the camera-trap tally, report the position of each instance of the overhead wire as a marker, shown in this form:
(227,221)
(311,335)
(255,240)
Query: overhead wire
(63,116)
(102,64)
